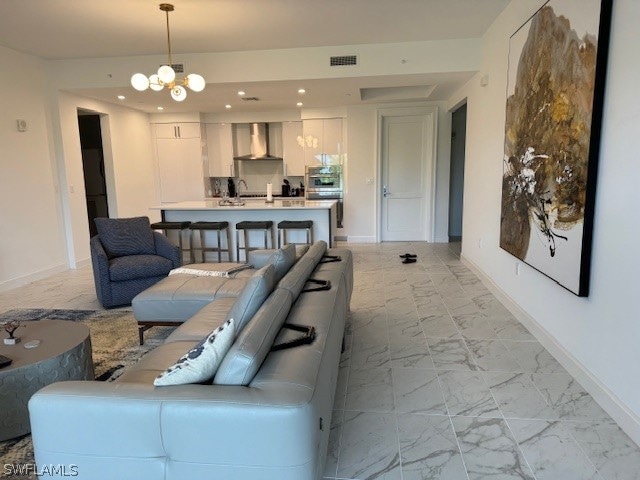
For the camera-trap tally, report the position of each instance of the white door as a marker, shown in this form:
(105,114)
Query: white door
(407,147)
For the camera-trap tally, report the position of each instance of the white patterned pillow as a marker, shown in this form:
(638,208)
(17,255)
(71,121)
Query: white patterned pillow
(201,362)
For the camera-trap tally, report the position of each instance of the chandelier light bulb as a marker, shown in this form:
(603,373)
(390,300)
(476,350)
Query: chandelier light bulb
(155,84)
(195,82)
(166,74)
(140,82)
(178,93)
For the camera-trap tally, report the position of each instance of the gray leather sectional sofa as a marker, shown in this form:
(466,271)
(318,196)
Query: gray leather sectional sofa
(267,413)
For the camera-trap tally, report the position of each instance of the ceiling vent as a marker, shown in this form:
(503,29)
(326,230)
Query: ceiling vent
(250,99)
(343,60)
(177,67)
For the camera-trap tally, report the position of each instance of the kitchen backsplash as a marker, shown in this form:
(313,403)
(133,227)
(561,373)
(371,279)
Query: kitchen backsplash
(257,173)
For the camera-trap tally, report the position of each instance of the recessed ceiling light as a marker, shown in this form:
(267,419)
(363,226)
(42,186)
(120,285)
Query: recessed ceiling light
(227,106)
(299,104)
(241,92)
(160,108)
(121,97)
(302,90)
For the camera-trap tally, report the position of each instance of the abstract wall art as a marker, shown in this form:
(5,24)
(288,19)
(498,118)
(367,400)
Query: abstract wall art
(555,94)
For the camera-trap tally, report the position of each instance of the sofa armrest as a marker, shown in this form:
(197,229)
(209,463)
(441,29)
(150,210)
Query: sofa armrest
(167,249)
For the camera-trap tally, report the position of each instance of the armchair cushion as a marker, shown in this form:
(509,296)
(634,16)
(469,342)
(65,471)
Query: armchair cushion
(132,267)
(126,236)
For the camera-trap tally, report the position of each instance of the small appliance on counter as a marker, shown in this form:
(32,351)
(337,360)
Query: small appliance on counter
(231,187)
(286,188)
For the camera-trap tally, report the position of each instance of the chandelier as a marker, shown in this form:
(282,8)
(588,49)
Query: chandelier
(166,76)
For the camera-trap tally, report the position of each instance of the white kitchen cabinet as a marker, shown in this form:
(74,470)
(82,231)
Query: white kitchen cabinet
(293,149)
(180,169)
(220,150)
(177,130)
(322,141)
(178,155)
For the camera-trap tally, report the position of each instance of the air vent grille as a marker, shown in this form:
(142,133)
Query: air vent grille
(250,99)
(343,60)
(177,67)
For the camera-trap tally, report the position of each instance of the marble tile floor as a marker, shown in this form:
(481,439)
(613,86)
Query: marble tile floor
(438,380)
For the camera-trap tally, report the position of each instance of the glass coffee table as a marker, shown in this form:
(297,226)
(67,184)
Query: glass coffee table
(64,353)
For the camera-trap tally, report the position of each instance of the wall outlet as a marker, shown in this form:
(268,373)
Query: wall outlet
(479,243)
(518,268)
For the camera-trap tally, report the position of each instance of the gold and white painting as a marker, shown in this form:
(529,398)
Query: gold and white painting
(555,91)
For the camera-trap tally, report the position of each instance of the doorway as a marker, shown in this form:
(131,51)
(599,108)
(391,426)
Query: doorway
(407,153)
(456,177)
(93,167)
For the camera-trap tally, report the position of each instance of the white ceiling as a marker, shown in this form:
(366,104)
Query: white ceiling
(63,29)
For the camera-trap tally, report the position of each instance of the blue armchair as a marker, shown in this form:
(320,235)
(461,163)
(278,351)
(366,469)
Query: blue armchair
(128,257)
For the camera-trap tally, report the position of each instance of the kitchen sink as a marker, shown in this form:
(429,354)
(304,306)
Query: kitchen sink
(229,203)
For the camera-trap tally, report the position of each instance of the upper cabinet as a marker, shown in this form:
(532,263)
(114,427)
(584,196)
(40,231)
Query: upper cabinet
(322,141)
(293,149)
(178,155)
(220,149)
(177,130)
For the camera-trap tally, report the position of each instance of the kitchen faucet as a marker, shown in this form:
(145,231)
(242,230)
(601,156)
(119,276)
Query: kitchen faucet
(239,182)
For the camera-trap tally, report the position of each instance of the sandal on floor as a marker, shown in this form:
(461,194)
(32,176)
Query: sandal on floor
(409,255)
(409,260)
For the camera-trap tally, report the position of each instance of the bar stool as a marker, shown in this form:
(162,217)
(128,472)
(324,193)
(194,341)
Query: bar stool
(181,226)
(246,226)
(204,227)
(285,225)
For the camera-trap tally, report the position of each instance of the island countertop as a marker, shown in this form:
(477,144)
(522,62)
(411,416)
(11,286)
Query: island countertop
(321,212)
(250,204)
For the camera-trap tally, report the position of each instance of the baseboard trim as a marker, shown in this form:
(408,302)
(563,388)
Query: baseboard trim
(609,401)
(32,277)
(361,239)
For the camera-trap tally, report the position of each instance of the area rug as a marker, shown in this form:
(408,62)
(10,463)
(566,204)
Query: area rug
(115,345)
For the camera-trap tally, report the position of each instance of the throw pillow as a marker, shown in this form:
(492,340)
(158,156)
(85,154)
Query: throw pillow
(126,236)
(201,362)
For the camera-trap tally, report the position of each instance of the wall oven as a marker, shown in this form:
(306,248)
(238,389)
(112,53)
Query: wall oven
(325,183)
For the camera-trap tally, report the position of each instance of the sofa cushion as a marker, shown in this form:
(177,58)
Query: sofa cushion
(132,267)
(204,321)
(316,251)
(179,297)
(126,236)
(296,278)
(255,291)
(251,347)
(201,362)
(282,259)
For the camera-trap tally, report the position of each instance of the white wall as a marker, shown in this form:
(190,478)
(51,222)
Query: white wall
(595,337)
(32,239)
(130,173)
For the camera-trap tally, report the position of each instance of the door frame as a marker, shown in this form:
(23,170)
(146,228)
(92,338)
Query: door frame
(430,186)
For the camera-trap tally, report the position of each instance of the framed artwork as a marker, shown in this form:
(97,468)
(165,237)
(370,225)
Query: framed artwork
(555,93)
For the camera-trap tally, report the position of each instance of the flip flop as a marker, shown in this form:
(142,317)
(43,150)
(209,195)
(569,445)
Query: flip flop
(409,255)
(409,260)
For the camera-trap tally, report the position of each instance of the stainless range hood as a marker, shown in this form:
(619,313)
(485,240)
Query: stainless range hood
(259,144)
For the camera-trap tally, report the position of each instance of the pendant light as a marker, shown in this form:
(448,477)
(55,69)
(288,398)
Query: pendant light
(166,76)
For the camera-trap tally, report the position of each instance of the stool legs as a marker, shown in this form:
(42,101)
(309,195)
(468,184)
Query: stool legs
(218,248)
(246,248)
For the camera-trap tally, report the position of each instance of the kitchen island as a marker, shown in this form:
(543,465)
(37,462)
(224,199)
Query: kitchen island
(321,212)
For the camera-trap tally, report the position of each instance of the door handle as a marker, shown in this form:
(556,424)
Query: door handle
(385,192)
